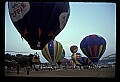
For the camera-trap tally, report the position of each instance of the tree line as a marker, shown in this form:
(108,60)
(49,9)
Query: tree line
(19,59)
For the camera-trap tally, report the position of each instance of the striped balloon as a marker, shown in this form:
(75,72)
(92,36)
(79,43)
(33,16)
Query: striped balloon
(73,48)
(84,61)
(52,51)
(93,46)
(75,57)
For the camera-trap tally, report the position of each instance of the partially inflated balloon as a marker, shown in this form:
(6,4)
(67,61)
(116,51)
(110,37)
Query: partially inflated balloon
(75,57)
(52,51)
(93,46)
(39,22)
(73,48)
(71,62)
(84,61)
(64,61)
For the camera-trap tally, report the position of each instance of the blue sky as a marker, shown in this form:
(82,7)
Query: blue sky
(85,19)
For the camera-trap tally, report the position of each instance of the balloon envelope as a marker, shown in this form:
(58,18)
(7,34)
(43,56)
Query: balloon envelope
(75,57)
(73,48)
(71,62)
(39,22)
(64,61)
(52,51)
(93,46)
(84,61)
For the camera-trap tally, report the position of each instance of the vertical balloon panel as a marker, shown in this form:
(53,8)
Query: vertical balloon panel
(61,56)
(59,61)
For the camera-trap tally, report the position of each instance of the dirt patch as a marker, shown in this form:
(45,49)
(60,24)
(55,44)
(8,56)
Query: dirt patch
(104,72)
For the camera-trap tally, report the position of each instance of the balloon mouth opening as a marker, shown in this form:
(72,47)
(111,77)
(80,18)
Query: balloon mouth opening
(94,59)
(36,45)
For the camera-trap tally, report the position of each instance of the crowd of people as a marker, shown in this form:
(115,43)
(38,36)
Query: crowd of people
(48,67)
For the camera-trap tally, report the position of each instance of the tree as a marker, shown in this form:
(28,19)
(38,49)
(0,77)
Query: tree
(8,56)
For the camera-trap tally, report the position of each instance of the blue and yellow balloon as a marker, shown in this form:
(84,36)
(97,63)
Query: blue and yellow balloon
(93,46)
(52,52)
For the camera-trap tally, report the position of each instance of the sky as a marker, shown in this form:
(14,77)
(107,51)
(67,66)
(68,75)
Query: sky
(85,18)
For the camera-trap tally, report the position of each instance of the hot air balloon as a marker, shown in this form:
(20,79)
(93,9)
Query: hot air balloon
(75,57)
(39,22)
(93,46)
(52,51)
(73,48)
(64,61)
(84,61)
(36,59)
(61,58)
(71,62)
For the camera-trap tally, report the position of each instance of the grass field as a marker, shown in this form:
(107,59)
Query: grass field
(104,73)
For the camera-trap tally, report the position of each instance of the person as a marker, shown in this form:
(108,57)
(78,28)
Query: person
(28,69)
(6,68)
(50,68)
(18,69)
